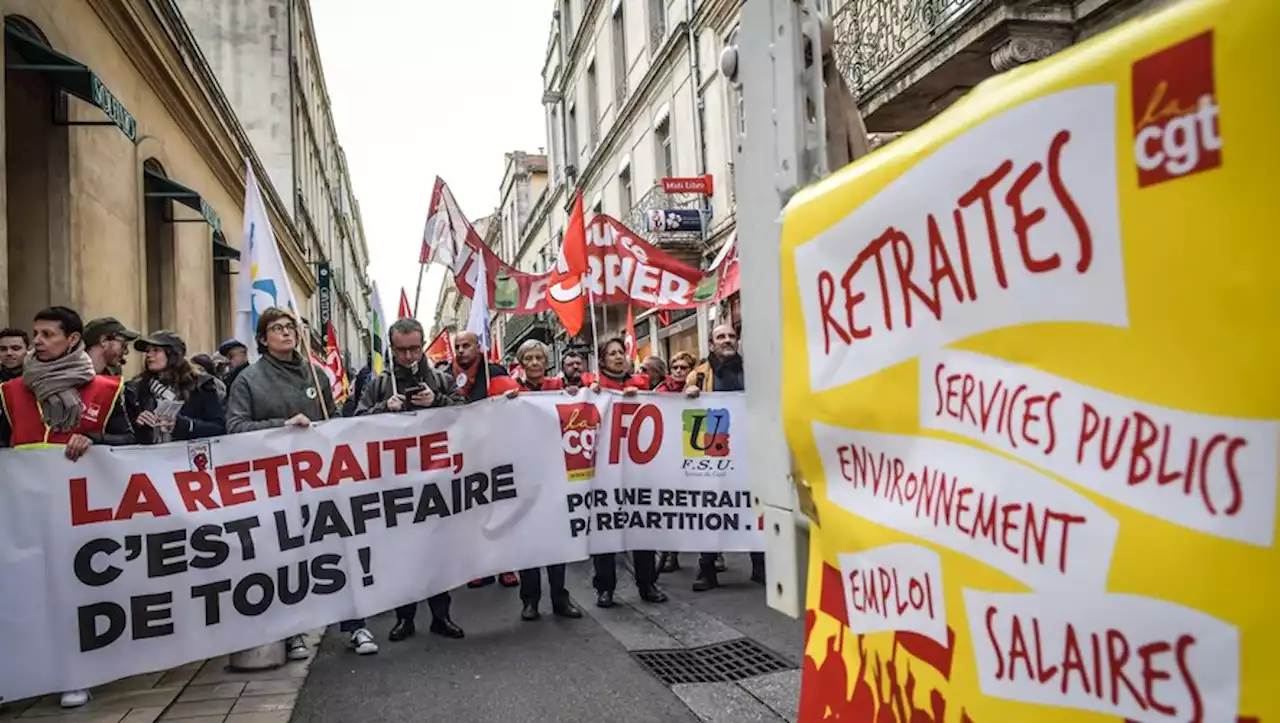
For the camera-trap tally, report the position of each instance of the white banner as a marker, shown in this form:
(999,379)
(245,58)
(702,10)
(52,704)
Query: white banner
(142,558)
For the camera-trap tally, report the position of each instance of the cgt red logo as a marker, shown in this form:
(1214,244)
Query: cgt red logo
(1175,112)
(579,426)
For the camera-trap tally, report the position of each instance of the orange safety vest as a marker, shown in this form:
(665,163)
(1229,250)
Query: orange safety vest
(27,427)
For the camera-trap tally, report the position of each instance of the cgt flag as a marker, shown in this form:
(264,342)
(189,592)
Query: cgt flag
(333,366)
(565,292)
(440,349)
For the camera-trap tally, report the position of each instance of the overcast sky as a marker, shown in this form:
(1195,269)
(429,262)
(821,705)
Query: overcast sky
(426,88)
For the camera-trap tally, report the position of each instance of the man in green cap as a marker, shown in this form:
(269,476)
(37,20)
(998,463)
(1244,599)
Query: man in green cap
(107,341)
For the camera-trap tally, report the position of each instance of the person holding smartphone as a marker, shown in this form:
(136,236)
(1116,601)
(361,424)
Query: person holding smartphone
(410,382)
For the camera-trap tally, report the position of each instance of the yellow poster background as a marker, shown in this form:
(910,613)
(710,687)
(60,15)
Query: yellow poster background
(1201,256)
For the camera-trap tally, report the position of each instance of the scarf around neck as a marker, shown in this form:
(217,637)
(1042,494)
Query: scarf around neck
(56,385)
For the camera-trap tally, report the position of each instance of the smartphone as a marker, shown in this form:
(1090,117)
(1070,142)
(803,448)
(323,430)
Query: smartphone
(410,391)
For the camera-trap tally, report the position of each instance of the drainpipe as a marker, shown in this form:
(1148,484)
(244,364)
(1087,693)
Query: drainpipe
(700,141)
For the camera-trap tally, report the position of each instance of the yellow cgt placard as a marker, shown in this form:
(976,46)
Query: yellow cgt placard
(1035,391)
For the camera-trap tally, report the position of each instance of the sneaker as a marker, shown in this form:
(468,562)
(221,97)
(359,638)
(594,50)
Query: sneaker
(362,642)
(297,646)
(74,698)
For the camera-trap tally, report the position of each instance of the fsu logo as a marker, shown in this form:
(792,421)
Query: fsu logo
(1175,112)
(579,428)
(706,433)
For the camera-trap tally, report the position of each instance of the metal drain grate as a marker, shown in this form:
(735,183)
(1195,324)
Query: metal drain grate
(718,663)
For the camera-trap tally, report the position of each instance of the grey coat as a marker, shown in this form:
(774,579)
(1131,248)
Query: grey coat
(269,392)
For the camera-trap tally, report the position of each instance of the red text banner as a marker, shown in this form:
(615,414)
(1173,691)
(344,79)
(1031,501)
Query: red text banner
(142,558)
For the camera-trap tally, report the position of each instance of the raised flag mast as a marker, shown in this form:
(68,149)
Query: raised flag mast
(784,108)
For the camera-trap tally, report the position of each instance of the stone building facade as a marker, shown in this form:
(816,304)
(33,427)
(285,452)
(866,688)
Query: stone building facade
(908,60)
(265,56)
(123,171)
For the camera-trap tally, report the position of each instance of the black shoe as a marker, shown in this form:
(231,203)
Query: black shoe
(653,594)
(446,628)
(403,629)
(566,609)
(704,583)
(530,612)
(604,599)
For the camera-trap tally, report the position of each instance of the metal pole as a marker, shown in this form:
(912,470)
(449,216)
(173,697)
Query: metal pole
(417,295)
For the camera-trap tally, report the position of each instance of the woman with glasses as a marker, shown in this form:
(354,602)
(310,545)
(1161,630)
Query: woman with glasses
(280,390)
(682,362)
(533,358)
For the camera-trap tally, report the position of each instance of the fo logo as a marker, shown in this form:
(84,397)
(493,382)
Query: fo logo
(579,428)
(706,433)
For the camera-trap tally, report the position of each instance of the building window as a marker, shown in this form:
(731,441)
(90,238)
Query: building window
(593,106)
(625,200)
(557,161)
(666,164)
(657,24)
(566,23)
(619,58)
(571,143)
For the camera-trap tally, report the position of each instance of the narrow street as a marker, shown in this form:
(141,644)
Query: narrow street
(563,670)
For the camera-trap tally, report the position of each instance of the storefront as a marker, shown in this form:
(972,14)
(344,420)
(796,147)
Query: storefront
(123,172)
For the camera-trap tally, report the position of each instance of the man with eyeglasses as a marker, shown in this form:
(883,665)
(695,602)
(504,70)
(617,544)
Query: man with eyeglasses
(107,341)
(720,372)
(410,383)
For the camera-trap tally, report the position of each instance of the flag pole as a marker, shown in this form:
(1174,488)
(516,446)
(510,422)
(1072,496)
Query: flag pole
(417,295)
(595,340)
(315,378)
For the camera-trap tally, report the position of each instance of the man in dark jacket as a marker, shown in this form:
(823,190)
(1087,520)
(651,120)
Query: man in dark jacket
(360,383)
(411,383)
(237,355)
(720,372)
(14,344)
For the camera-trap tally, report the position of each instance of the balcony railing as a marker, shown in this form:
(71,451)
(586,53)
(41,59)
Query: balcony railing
(873,37)
(655,199)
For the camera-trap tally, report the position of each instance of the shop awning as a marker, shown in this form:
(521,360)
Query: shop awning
(71,76)
(158,186)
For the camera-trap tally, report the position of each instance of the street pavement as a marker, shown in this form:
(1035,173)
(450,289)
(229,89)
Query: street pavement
(563,671)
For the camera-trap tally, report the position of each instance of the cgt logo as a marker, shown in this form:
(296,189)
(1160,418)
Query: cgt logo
(579,427)
(1175,112)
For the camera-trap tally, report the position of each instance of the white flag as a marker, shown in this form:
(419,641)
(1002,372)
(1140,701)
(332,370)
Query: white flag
(478,320)
(262,282)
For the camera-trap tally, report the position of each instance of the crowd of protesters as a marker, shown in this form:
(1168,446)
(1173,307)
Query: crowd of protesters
(61,385)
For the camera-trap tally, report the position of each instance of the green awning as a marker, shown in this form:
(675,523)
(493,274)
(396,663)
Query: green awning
(71,76)
(158,186)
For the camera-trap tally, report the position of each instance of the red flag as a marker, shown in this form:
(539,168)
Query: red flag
(437,192)
(633,352)
(405,312)
(440,349)
(333,366)
(495,345)
(565,294)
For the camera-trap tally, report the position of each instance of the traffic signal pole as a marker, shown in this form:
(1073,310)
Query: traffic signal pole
(782,148)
